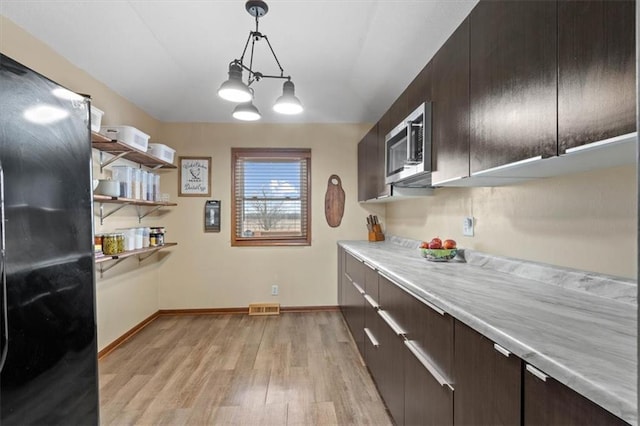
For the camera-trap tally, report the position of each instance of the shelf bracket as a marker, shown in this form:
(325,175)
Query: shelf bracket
(156,167)
(142,258)
(116,157)
(104,269)
(142,216)
(104,215)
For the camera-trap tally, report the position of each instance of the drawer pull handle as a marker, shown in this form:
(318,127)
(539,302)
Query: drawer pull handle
(502,350)
(427,364)
(355,284)
(372,302)
(539,374)
(369,266)
(371,338)
(434,307)
(391,323)
(348,277)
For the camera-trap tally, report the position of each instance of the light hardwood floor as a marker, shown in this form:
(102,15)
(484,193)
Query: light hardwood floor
(292,369)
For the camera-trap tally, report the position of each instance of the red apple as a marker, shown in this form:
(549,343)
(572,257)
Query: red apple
(424,245)
(435,243)
(449,244)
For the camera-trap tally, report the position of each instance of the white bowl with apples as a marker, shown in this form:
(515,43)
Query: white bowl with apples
(437,250)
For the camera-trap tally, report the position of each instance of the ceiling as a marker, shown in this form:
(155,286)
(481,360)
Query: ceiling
(349,59)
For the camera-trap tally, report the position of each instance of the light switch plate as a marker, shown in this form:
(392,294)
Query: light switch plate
(467,226)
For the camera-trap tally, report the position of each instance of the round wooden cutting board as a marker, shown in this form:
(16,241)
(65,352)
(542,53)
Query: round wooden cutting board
(334,201)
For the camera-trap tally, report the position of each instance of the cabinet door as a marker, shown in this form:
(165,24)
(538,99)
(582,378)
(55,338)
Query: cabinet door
(391,300)
(596,71)
(384,127)
(430,334)
(487,381)
(363,182)
(513,82)
(354,299)
(340,276)
(549,402)
(450,109)
(419,90)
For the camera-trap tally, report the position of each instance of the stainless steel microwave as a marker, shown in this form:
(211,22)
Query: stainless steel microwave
(408,150)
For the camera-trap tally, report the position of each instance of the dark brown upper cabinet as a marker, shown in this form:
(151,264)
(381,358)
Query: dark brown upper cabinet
(370,172)
(513,82)
(419,90)
(450,109)
(596,71)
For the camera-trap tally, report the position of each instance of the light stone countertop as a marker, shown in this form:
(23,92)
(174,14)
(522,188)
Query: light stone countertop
(575,326)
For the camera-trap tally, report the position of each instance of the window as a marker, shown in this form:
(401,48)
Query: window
(271,190)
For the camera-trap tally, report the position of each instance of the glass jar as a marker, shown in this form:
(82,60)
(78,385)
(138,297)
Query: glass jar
(120,242)
(109,244)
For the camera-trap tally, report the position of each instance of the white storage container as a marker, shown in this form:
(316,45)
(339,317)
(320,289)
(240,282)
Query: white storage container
(161,151)
(96,118)
(124,174)
(144,184)
(151,195)
(137,184)
(127,135)
(156,188)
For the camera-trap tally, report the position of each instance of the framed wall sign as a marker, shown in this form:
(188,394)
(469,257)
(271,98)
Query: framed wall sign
(195,177)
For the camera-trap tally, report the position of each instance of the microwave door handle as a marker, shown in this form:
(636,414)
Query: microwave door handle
(410,144)
(4,332)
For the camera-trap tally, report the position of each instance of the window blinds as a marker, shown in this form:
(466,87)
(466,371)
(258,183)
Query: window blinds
(271,192)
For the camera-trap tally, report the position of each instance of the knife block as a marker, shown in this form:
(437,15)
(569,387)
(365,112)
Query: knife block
(376,233)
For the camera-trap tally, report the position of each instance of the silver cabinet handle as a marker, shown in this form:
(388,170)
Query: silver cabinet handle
(426,363)
(434,307)
(539,374)
(369,266)
(3,275)
(391,323)
(360,289)
(372,302)
(348,277)
(502,350)
(371,337)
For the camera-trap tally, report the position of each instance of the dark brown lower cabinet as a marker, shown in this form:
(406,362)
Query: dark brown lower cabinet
(549,402)
(427,402)
(391,381)
(487,381)
(353,312)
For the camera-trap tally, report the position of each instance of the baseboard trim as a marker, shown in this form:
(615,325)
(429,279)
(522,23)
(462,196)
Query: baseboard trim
(126,336)
(202,311)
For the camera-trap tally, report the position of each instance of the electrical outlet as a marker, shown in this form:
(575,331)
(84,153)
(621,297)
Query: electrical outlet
(274,290)
(467,226)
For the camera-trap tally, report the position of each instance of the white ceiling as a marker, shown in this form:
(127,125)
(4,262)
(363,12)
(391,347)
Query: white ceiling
(349,59)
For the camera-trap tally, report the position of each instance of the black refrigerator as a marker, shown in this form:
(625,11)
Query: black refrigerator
(48,361)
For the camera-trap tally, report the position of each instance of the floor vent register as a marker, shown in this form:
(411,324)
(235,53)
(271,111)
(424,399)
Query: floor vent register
(264,309)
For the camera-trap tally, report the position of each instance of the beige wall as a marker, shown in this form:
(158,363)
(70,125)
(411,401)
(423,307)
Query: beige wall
(207,272)
(585,221)
(128,293)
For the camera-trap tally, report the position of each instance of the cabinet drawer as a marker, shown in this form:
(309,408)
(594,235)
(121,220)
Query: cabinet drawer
(371,281)
(355,269)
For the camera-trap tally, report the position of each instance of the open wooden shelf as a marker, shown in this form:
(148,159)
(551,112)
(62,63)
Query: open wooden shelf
(122,150)
(131,201)
(124,255)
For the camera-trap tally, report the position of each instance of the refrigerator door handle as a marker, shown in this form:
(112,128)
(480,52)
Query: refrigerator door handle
(3,276)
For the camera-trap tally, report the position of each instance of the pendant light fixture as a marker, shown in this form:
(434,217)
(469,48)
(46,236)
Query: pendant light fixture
(235,90)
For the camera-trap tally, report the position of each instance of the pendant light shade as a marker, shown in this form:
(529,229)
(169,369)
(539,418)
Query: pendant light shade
(234,89)
(288,103)
(246,112)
